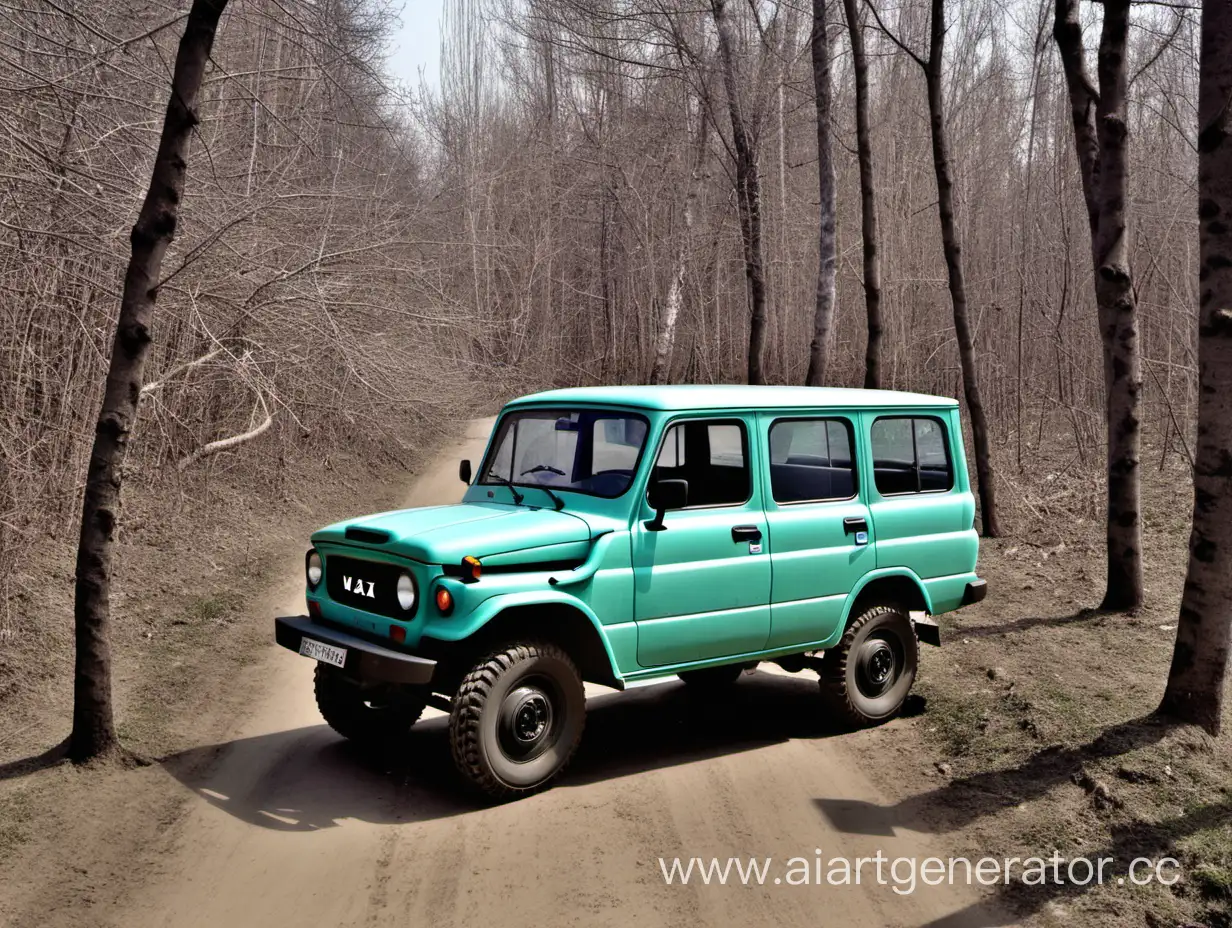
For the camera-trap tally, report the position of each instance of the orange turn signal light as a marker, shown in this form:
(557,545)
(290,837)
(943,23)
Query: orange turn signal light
(397,633)
(470,568)
(444,600)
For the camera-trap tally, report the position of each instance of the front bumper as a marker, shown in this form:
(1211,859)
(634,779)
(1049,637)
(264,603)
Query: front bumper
(364,660)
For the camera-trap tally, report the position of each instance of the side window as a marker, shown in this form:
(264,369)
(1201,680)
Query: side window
(712,457)
(811,459)
(671,454)
(931,456)
(910,455)
(616,444)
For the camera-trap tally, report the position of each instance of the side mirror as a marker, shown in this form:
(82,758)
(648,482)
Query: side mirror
(665,495)
(464,471)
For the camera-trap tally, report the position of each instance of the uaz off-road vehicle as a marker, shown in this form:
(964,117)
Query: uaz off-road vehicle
(626,534)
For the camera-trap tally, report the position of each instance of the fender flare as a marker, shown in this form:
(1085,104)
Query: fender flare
(492,607)
(882,574)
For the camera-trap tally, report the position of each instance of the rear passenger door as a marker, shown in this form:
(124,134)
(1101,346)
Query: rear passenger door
(820,532)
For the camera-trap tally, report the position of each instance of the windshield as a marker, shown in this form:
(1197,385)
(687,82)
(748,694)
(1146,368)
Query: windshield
(585,450)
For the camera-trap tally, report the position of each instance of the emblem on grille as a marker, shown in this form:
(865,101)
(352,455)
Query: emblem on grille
(356,586)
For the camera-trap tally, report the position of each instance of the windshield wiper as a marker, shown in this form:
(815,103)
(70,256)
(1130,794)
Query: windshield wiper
(556,500)
(517,497)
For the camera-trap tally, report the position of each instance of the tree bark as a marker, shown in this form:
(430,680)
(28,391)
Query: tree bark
(748,195)
(824,311)
(666,339)
(93,722)
(954,267)
(868,202)
(1200,656)
(1101,140)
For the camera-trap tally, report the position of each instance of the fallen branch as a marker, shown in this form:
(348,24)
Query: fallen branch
(223,444)
(178,369)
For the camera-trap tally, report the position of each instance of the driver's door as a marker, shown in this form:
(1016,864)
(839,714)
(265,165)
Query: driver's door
(703,582)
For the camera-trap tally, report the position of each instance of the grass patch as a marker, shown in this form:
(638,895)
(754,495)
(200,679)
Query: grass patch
(213,608)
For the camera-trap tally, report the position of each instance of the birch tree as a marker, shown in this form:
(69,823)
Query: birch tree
(1101,137)
(1200,656)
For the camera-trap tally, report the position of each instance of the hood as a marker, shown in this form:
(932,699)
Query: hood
(446,534)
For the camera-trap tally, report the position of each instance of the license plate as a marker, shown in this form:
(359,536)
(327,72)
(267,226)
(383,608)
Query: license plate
(319,650)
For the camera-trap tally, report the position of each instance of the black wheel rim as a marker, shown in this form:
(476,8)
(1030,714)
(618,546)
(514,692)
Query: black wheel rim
(529,720)
(879,663)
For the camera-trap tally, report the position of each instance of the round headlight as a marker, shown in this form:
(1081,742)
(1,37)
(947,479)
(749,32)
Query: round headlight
(313,568)
(406,592)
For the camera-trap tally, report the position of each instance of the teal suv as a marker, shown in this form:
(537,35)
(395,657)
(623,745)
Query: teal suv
(620,535)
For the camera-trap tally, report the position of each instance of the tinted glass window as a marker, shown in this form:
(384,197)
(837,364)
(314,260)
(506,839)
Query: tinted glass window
(712,457)
(811,459)
(910,455)
(931,456)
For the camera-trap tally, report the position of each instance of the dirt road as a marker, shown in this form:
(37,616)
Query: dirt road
(293,827)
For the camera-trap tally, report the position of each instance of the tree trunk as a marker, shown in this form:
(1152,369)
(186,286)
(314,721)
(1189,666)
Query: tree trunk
(666,339)
(1101,140)
(824,312)
(93,724)
(868,203)
(954,268)
(748,196)
(1200,656)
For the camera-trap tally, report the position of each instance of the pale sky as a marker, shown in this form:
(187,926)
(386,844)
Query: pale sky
(417,45)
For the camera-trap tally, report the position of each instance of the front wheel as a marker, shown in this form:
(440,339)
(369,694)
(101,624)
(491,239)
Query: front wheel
(867,677)
(517,718)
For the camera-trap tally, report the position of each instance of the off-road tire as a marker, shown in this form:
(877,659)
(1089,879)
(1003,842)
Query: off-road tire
(356,716)
(712,678)
(848,670)
(490,721)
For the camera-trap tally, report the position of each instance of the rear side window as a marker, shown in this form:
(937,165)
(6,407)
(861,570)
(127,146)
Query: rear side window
(910,455)
(712,456)
(811,460)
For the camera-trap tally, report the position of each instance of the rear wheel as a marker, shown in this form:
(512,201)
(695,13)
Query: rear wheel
(712,678)
(867,677)
(372,717)
(517,718)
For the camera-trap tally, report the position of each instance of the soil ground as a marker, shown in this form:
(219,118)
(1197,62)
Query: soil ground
(1028,734)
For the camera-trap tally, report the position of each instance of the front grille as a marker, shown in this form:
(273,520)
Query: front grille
(371,586)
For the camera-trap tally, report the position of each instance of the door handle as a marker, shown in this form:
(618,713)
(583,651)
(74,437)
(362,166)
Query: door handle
(746,533)
(855,524)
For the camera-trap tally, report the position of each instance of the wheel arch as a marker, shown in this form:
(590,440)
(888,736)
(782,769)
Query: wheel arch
(562,620)
(899,586)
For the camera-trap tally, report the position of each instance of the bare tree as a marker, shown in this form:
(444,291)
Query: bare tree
(934,76)
(819,44)
(1101,136)
(93,723)
(748,192)
(868,200)
(666,339)
(1200,657)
